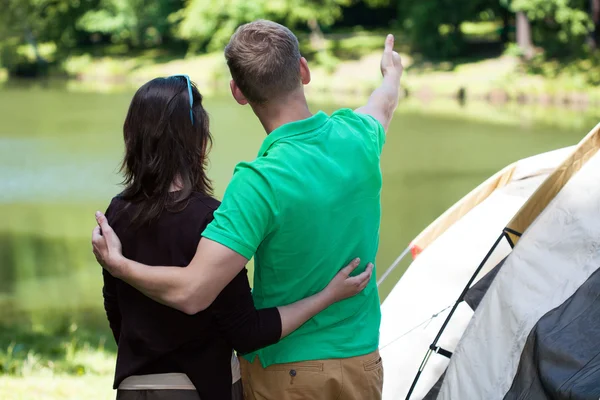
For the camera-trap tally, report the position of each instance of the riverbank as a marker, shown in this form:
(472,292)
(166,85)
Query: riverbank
(496,80)
(349,67)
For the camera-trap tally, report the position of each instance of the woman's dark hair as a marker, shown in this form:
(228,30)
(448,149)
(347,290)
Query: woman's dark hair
(164,144)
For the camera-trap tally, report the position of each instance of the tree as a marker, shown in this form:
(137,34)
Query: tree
(135,22)
(559,26)
(210,23)
(50,20)
(434,26)
(34,21)
(595,17)
(524,35)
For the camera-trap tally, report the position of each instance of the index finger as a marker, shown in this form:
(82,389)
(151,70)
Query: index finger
(389,43)
(96,233)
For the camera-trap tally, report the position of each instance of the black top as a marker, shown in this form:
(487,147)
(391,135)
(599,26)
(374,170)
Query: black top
(153,338)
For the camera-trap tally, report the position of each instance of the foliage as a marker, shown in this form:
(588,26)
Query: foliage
(210,23)
(50,20)
(557,23)
(434,26)
(34,33)
(136,22)
(29,21)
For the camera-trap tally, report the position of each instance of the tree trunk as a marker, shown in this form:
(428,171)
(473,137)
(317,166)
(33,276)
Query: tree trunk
(505,25)
(524,35)
(595,15)
(317,40)
(33,42)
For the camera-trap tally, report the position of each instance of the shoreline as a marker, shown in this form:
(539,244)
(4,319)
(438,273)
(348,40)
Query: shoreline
(496,81)
(498,108)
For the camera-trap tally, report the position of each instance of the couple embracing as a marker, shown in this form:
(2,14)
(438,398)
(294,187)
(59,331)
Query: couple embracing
(176,289)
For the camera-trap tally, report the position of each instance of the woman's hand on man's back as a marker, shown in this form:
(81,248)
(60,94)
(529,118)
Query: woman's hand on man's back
(343,285)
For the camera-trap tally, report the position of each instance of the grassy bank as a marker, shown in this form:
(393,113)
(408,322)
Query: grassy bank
(31,349)
(63,362)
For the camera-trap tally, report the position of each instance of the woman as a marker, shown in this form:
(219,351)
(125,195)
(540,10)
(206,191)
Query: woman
(160,216)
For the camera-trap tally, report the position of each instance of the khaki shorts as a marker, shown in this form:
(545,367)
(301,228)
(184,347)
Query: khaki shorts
(355,378)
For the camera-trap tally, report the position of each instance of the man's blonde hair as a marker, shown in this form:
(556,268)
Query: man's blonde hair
(264,60)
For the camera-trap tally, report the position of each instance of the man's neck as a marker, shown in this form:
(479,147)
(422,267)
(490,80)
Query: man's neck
(283,111)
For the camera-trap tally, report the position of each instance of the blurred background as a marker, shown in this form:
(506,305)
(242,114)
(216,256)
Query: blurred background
(487,82)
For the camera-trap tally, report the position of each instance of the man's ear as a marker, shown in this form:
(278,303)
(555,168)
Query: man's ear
(304,71)
(237,93)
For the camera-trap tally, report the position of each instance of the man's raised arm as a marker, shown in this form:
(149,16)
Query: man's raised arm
(384,99)
(190,289)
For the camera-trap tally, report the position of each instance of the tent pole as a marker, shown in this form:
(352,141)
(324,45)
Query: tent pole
(451,313)
(393,266)
(421,368)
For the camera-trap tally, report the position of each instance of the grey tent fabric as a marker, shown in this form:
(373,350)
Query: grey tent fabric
(478,290)
(435,389)
(472,298)
(561,358)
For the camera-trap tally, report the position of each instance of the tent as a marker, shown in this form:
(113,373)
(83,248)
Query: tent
(471,316)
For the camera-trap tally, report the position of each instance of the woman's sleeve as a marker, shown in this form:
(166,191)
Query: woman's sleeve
(109,292)
(111,304)
(245,327)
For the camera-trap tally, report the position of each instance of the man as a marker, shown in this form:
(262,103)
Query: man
(308,204)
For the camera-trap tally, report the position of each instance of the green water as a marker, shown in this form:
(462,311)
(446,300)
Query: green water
(60,151)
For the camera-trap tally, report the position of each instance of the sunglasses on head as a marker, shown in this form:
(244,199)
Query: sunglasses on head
(189,86)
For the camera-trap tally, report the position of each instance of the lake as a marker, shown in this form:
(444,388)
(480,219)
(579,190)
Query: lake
(60,152)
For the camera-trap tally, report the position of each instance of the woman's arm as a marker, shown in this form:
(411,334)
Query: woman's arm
(248,329)
(341,287)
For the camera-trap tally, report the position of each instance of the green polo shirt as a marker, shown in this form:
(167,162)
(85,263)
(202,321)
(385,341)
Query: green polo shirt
(304,208)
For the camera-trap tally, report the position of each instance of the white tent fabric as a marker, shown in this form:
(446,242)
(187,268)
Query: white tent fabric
(435,279)
(558,252)
(442,269)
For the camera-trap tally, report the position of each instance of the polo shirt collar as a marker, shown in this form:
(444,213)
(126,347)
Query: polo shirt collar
(293,128)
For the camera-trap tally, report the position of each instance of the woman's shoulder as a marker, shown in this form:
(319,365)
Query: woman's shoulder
(118,211)
(198,206)
(201,200)
(198,211)
(116,204)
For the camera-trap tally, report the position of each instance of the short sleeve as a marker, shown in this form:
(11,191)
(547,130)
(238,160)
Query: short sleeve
(245,216)
(374,127)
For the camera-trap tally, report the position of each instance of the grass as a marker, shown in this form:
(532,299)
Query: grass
(63,362)
(31,349)
(56,388)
